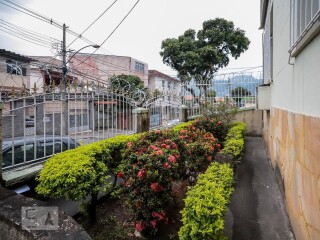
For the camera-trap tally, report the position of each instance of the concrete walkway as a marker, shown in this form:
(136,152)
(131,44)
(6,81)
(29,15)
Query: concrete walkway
(257,210)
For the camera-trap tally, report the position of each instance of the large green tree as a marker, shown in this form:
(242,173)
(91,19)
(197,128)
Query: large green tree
(200,55)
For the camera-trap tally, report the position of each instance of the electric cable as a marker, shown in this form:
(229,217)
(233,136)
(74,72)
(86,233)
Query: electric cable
(80,35)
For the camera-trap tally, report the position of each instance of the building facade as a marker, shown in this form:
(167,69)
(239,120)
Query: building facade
(14,71)
(102,67)
(169,89)
(291,59)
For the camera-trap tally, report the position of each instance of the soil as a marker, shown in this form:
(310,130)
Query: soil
(114,218)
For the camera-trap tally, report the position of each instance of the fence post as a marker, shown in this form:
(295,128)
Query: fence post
(141,119)
(183,113)
(1,107)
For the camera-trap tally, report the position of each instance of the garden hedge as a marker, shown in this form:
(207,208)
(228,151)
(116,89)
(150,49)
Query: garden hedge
(205,204)
(234,142)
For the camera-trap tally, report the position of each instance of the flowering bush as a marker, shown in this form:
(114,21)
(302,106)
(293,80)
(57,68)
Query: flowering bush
(218,128)
(152,164)
(199,148)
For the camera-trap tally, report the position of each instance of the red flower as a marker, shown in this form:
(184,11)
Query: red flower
(209,158)
(159,152)
(163,145)
(153,223)
(142,174)
(129,144)
(172,159)
(219,123)
(167,141)
(166,165)
(156,187)
(128,184)
(157,131)
(189,152)
(120,175)
(218,145)
(174,146)
(153,147)
(139,227)
(159,216)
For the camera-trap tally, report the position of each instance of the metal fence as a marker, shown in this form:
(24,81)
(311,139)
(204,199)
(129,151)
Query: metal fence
(39,123)
(238,89)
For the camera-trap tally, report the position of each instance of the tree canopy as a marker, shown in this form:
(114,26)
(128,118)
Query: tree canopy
(199,55)
(238,93)
(126,82)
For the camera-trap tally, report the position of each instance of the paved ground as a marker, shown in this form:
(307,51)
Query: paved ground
(257,210)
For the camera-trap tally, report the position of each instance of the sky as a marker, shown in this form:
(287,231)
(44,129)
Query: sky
(141,34)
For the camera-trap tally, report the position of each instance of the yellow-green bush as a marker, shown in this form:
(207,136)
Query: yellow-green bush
(205,204)
(74,174)
(234,142)
(179,127)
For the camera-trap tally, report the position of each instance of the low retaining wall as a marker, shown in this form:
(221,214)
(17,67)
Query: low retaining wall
(11,220)
(253,119)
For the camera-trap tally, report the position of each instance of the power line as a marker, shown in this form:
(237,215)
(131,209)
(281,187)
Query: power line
(21,37)
(34,14)
(115,28)
(80,35)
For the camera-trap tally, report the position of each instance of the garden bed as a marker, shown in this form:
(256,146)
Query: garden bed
(114,220)
(155,169)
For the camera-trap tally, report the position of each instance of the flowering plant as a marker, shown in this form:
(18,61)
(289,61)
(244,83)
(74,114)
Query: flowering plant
(218,128)
(151,166)
(200,148)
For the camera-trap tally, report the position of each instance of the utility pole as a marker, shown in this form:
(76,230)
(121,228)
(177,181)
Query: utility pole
(64,100)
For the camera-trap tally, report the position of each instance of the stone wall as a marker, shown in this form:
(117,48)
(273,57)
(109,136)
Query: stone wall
(253,119)
(10,220)
(294,147)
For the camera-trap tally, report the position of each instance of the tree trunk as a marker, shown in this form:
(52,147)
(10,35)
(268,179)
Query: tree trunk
(92,208)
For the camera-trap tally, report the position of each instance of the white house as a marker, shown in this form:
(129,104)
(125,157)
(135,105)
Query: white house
(169,89)
(291,57)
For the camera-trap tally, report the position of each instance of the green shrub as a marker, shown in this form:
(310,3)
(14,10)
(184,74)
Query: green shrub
(75,174)
(205,204)
(116,146)
(181,126)
(234,143)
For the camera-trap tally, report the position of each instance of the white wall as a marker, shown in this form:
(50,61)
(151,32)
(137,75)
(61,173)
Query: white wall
(296,87)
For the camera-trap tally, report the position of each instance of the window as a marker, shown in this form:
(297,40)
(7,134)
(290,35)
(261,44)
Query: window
(304,14)
(14,67)
(19,151)
(139,67)
(169,85)
(163,83)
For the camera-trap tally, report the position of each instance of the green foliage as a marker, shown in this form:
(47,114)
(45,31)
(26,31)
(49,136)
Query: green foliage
(152,163)
(205,204)
(234,142)
(75,173)
(212,125)
(116,146)
(238,93)
(221,111)
(179,127)
(199,55)
(126,82)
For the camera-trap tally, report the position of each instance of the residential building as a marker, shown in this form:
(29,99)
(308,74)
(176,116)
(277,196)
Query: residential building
(14,71)
(169,89)
(102,66)
(291,58)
